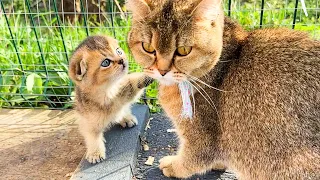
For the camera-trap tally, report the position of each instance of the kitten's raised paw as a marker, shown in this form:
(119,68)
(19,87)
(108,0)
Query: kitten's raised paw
(96,156)
(171,167)
(144,82)
(128,122)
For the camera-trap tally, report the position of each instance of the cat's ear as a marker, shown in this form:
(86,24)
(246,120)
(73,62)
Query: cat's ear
(208,10)
(139,8)
(78,67)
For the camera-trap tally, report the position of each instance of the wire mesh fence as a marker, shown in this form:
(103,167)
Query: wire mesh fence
(37,38)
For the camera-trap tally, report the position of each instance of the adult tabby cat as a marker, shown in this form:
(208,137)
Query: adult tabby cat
(257,93)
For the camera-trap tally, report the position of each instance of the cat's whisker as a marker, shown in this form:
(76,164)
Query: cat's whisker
(212,102)
(202,89)
(202,82)
(203,95)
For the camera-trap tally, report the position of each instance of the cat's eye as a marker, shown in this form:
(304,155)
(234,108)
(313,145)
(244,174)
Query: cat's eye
(183,50)
(148,48)
(106,63)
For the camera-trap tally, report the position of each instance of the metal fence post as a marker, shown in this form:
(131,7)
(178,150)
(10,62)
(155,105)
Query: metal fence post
(229,8)
(110,10)
(261,13)
(295,14)
(39,46)
(83,12)
(12,38)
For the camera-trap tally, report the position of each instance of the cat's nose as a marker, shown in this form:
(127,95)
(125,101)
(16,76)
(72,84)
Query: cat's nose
(121,61)
(163,72)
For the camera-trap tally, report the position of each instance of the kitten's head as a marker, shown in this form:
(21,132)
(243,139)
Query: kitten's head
(97,61)
(176,36)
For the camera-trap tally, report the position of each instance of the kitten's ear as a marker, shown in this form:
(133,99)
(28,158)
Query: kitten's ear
(208,9)
(78,67)
(139,8)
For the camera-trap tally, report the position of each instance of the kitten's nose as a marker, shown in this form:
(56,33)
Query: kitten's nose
(163,72)
(121,61)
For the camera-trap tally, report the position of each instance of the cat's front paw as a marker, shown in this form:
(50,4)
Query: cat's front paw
(171,167)
(128,121)
(96,155)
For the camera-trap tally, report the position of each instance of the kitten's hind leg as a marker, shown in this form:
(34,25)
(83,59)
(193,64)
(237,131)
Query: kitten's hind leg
(92,132)
(128,120)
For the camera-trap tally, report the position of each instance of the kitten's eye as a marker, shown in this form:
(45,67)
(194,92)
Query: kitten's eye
(147,47)
(184,50)
(106,63)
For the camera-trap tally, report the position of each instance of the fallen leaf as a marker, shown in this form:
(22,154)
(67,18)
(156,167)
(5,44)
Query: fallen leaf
(143,139)
(148,125)
(145,147)
(171,130)
(149,161)
(69,174)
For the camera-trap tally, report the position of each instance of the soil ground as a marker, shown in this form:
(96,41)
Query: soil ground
(38,144)
(162,142)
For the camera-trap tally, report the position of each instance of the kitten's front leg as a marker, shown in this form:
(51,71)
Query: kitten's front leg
(128,120)
(132,87)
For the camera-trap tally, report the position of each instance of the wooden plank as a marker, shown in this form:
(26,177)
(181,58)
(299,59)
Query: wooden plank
(18,126)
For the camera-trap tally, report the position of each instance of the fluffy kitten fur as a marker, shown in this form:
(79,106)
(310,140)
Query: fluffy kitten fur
(103,94)
(265,122)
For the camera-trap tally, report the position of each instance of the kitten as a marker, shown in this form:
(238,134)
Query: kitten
(104,90)
(257,93)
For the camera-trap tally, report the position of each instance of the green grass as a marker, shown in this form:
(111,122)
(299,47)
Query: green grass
(29,77)
(42,80)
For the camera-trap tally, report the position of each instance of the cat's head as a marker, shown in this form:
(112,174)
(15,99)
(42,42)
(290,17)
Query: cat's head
(97,61)
(176,36)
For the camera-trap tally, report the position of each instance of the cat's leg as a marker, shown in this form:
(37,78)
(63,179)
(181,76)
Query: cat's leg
(186,163)
(194,155)
(219,166)
(92,131)
(128,119)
